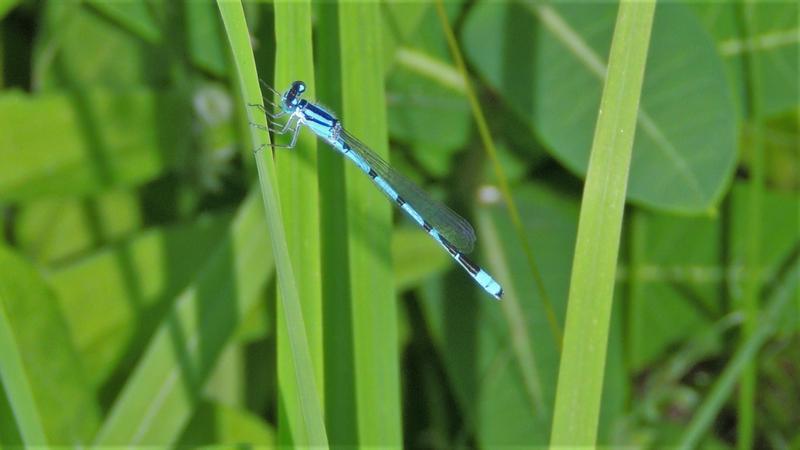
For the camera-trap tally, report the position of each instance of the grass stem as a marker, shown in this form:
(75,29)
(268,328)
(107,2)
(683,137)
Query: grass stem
(580,377)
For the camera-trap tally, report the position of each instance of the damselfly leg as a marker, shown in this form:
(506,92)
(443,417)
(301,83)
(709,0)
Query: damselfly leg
(281,130)
(275,110)
(266,86)
(271,115)
(295,133)
(286,128)
(446,227)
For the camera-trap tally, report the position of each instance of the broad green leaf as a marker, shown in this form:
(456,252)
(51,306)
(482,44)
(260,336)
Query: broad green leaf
(164,389)
(682,283)
(79,47)
(548,63)
(20,418)
(130,284)
(135,16)
(51,364)
(206,37)
(670,283)
(473,334)
(776,42)
(53,229)
(400,21)
(433,120)
(143,33)
(427,106)
(199,20)
(94,140)
(514,165)
(416,256)
(217,424)
(780,216)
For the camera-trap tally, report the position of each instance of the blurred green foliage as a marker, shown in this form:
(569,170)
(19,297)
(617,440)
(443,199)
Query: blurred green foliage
(135,270)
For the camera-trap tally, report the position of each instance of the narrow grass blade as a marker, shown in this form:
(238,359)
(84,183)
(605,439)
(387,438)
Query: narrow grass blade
(312,430)
(745,426)
(580,378)
(340,376)
(65,400)
(488,145)
(16,386)
(515,318)
(6,6)
(777,307)
(227,426)
(159,398)
(132,272)
(299,187)
(369,231)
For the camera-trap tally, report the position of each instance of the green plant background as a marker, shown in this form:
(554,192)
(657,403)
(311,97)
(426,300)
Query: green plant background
(137,287)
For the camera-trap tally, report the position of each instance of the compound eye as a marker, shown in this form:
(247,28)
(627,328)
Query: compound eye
(294,93)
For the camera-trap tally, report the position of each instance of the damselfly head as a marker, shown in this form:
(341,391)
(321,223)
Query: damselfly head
(292,96)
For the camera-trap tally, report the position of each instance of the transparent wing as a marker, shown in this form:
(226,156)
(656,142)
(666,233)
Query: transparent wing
(448,223)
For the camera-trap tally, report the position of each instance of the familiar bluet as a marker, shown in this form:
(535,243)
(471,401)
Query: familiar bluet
(449,229)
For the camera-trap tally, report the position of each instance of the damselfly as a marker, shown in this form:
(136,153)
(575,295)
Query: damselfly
(449,229)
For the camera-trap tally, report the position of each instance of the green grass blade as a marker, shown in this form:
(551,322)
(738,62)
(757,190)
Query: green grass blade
(132,273)
(340,376)
(777,307)
(16,386)
(6,6)
(580,378)
(312,430)
(298,184)
(369,231)
(520,334)
(515,318)
(505,189)
(64,398)
(745,426)
(159,398)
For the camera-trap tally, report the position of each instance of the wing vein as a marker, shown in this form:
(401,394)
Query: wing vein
(447,222)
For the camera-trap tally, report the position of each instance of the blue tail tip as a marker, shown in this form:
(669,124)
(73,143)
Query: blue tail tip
(499,294)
